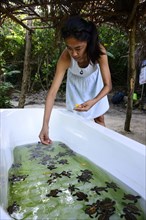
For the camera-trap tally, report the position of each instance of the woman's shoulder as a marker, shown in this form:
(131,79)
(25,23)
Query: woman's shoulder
(103,56)
(65,56)
(102,49)
(64,59)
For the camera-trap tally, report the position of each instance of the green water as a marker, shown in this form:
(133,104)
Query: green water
(39,169)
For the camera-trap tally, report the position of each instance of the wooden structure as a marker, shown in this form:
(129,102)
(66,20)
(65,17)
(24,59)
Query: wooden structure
(52,12)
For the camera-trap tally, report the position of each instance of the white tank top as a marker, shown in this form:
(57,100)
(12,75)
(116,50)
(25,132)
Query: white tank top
(82,85)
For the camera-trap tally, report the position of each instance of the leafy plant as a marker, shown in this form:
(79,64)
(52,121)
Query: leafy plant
(116,43)
(5,91)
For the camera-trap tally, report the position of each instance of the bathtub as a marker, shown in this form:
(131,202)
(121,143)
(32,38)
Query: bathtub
(117,154)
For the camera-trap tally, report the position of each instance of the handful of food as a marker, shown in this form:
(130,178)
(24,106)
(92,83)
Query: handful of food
(77,106)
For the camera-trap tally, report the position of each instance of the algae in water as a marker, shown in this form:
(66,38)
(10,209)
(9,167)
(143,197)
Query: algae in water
(54,182)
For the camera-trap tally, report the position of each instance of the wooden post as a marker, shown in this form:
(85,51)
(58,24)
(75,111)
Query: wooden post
(131,74)
(26,68)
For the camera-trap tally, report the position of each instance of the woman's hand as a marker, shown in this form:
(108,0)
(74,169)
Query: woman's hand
(44,138)
(84,106)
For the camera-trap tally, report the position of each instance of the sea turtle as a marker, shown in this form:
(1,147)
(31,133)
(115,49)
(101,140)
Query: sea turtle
(112,185)
(72,188)
(81,196)
(66,173)
(107,205)
(131,197)
(92,209)
(99,189)
(54,193)
(13,208)
(86,176)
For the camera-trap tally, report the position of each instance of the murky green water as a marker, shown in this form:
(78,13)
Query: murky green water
(53,182)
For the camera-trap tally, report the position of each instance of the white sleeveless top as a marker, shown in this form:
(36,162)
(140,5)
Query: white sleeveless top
(82,85)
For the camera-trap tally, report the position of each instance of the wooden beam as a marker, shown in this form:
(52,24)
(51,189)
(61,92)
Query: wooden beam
(131,74)
(35,12)
(4,10)
(131,17)
(30,18)
(41,27)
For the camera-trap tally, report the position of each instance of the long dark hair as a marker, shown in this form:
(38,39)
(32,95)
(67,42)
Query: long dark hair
(83,30)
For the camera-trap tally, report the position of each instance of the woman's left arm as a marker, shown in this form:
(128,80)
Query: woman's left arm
(105,72)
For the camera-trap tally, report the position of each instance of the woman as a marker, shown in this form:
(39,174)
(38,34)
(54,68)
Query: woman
(88,74)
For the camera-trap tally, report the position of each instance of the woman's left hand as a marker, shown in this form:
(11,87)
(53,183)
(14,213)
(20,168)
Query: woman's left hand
(84,106)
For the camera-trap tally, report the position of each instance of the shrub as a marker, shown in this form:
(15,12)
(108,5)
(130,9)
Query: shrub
(5,92)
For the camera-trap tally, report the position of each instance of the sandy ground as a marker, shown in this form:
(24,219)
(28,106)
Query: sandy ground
(114,118)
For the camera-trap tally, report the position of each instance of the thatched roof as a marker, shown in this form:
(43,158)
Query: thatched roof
(53,12)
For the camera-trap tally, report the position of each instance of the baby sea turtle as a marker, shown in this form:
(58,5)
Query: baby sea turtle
(106,215)
(63,161)
(107,205)
(13,208)
(50,181)
(86,176)
(112,185)
(128,216)
(86,171)
(51,167)
(16,165)
(60,154)
(56,175)
(131,197)
(81,196)
(18,178)
(62,145)
(72,188)
(66,173)
(99,189)
(43,162)
(70,153)
(47,158)
(36,154)
(54,193)
(92,209)
(130,207)
(38,147)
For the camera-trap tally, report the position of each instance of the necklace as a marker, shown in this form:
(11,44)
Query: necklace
(81,72)
(83,65)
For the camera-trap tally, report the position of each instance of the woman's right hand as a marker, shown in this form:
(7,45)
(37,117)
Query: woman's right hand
(44,138)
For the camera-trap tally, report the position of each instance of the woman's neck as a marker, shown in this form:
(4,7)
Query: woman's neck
(84,62)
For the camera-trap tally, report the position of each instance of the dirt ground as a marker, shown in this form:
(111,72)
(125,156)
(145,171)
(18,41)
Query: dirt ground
(114,118)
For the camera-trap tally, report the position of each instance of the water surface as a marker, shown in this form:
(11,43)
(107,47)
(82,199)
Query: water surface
(53,182)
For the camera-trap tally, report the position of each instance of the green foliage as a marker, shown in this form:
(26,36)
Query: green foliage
(45,54)
(12,45)
(116,43)
(12,40)
(5,91)
(46,49)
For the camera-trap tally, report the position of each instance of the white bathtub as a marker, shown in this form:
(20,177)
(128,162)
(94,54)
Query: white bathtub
(119,155)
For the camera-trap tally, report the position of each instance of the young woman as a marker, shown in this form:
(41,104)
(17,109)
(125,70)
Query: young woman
(88,74)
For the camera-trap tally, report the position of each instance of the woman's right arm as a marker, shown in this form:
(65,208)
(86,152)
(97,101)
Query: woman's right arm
(62,65)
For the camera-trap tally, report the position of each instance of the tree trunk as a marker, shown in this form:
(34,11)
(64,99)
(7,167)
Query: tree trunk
(26,68)
(131,75)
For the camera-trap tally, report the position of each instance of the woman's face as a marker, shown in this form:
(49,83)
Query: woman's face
(76,48)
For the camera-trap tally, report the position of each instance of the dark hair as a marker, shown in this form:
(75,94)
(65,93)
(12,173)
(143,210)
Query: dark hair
(83,30)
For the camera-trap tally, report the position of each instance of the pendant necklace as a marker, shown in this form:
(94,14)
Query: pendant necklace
(81,72)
